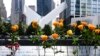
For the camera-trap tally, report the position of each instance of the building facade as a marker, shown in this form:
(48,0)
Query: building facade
(32,7)
(16,11)
(85,7)
(82,8)
(3,12)
(67,11)
(44,6)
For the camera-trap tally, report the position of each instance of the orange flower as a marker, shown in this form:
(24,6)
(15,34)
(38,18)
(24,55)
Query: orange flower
(14,27)
(91,26)
(34,24)
(73,24)
(84,23)
(97,31)
(60,24)
(61,20)
(55,36)
(44,37)
(34,21)
(80,27)
(55,23)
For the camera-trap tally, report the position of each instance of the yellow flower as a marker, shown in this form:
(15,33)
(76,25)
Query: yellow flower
(80,27)
(44,37)
(55,36)
(14,27)
(69,33)
(34,24)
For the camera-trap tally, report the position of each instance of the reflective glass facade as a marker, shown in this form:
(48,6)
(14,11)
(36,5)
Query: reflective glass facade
(17,10)
(44,6)
(85,7)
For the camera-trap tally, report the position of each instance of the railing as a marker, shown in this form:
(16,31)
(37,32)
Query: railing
(26,41)
(61,48)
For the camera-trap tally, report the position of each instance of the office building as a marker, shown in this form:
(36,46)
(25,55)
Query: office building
(17,11)
(82,8)
(3,12)
(32,7)
(44,6)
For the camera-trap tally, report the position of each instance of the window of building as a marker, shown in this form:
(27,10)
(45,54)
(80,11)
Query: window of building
(94,10)
(88,0)
(83,1)
(98,9)
(72,7)
(72,4)
(98,13)
(73,1)
(72,12)
(94,0)
(98,4)
(88,10)
(78,1)
(89,3)
(94,6)
(88,7)
(83,12)
(83,9)
(89,13)
(77,6)
(83,4)
(77,9)
(98,0)
(77,13)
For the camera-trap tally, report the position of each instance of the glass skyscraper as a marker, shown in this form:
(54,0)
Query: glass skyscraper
(44,6)
(17,10)
(3,12)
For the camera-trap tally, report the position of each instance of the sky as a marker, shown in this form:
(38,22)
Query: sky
(7,4)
